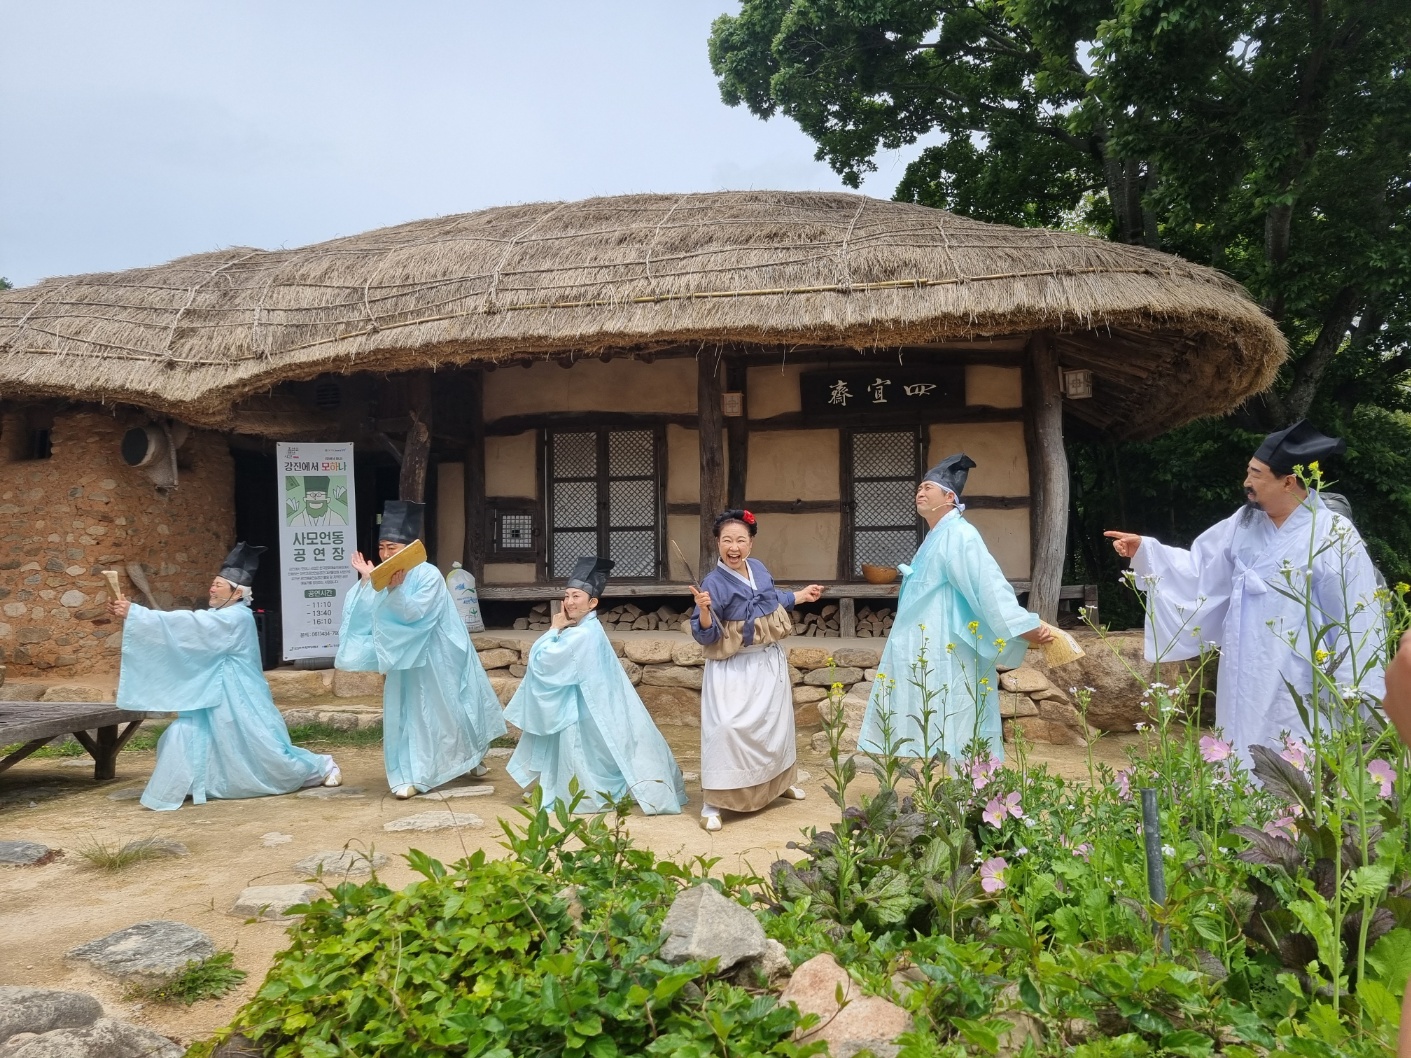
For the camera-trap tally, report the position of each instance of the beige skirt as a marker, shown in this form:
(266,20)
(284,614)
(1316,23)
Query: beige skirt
(751,798)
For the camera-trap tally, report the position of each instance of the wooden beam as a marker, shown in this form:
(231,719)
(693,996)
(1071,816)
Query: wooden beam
(765,507)
(416,452)
(864,419)
(473,550)
(737,430)
(1048,474)
(586,420)
(712,431)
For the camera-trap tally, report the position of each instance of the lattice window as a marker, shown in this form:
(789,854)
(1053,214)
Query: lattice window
(605,499)
(885,466)
(514,534)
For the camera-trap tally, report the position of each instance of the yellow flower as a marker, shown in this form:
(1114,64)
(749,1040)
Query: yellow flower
(1402,587)
(880,676)
(950,648)
(1313,465)
(999,645)
(974,627)
(1320,656)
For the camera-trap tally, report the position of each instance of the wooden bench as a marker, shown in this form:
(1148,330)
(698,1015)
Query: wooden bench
(844,592)
(98,728)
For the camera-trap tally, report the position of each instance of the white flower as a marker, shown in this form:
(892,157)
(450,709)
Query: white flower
(1167,850)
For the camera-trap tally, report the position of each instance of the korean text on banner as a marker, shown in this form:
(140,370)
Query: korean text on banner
(317,539)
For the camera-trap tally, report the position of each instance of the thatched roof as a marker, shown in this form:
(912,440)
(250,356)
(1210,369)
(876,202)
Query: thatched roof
(775,268)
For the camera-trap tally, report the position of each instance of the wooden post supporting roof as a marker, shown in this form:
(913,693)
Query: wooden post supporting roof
(475,514)
(712,430)
(1048,477)
(416,453)
(737,429)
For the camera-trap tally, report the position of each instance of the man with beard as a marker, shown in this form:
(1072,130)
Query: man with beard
(316,508)
(1280,585)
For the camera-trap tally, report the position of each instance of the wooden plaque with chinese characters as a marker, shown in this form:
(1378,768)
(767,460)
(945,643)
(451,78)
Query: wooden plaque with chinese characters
(847,392)
(414,554)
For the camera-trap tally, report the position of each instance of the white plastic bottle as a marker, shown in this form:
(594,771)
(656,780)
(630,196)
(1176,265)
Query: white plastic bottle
(461,583)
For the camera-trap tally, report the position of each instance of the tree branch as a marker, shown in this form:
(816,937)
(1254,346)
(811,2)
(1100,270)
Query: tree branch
(1308,373)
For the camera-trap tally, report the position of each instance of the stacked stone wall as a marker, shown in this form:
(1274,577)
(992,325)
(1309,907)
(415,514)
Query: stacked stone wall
(66,518)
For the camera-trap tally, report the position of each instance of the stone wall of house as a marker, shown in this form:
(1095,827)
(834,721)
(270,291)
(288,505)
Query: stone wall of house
(67,517)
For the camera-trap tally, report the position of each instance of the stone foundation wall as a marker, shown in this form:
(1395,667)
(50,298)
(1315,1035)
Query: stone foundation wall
(65,519)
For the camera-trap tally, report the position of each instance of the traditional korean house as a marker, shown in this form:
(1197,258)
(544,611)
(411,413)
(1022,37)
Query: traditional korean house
(597,376)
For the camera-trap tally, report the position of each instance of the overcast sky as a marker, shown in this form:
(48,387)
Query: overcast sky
(134,132)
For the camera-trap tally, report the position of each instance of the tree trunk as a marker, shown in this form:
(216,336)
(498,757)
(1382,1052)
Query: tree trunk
(416,453)
(712,430)
(473,553)
(1048,479)
(1308,372)
(737,431)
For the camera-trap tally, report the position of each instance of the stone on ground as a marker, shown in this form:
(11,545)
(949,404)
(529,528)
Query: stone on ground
(105,1038)
(340,863)
(24,853)
(270,902)
(702,924)
(156,951)
(40,1010)
(436,821)
(462,791)
(332,793)
(132,793)
(860,1023)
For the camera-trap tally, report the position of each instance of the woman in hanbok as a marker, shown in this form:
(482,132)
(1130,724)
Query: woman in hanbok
(581,720)
(439,712)
(228,739)
(747,707)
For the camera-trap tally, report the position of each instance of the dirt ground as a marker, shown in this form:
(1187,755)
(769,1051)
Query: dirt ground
(49,909)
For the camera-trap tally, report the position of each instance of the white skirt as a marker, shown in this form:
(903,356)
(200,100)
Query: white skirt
(747,720)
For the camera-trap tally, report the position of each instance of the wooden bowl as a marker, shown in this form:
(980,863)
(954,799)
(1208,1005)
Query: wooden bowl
(879,574)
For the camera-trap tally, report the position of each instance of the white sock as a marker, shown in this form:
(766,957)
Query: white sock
(708,811)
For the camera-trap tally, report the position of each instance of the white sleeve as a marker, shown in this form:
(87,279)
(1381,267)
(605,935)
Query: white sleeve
(1187,592)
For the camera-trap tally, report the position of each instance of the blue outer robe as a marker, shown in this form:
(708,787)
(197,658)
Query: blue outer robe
(581,718)
(439,712)
(952,582)
(228,739)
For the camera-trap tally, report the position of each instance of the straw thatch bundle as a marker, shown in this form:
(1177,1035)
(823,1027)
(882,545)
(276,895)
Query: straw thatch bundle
(633,272)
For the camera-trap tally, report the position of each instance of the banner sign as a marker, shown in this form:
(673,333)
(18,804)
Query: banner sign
(924,390)
(317,540)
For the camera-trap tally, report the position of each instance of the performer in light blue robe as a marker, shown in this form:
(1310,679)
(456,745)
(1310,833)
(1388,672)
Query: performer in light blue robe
(957,618)
(439,712)
(228,739)
(580,718)
(1229,590)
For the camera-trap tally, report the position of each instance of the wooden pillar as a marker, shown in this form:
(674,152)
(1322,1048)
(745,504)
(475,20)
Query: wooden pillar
(473,553)
(711,423)
(416,453)
(737,434)
(1048,477)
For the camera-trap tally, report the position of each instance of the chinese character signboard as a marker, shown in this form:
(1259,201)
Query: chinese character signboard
(316,543)
(897,390)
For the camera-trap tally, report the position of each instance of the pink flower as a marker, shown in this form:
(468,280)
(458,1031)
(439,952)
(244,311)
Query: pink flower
(992,874)
(1084,850)
(1295,752)
(1282,828)
(981,771)
(1124,783)
(1384,773)
(1213,750)
(1001,808)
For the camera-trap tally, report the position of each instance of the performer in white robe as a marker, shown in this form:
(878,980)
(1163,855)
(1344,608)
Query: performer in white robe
(952,585)
(1232,590)
(228,739)
(748,743)
(580,718)
(439,712)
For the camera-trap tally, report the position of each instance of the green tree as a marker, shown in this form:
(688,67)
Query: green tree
(1268,138)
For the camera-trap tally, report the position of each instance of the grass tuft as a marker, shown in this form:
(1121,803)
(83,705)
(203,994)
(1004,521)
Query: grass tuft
(119,854)
(201,980)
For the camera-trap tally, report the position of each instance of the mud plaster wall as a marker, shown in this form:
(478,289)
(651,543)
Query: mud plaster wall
(793,465)
(798,547)
(591,385)
(66,518)
(509,472)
